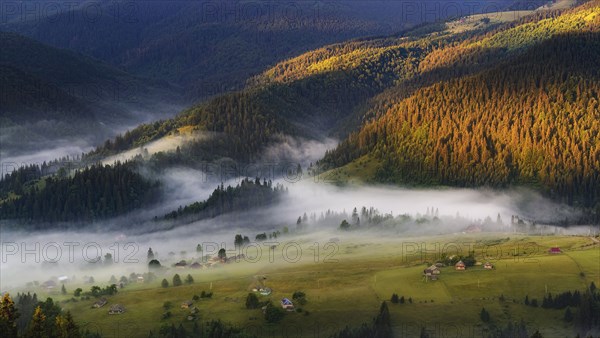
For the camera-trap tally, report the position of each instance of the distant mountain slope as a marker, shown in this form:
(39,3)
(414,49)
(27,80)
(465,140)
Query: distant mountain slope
(530,119)
(210,47)
(26,97)
(50,93)
(311,105)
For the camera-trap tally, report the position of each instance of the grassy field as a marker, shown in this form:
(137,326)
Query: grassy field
(349,290)
(358,171)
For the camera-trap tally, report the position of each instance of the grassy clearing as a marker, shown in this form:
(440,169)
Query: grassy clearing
(359,171)
(368,271)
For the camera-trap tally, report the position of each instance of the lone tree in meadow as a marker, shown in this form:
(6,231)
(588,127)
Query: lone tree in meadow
(394,298)
(176,280)
(222,254)
(299,297)
(273,314)
(238,241)
(189,279)
(344,225)
(484,315)
(154,264)
(164,283)
(252,301)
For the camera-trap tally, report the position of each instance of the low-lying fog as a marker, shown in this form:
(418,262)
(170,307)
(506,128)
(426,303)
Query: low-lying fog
(27,257)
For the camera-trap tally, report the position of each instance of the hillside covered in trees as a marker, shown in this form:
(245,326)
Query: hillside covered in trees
(93,193)
(246,195)
(322,92)
(530,119)
(498,105)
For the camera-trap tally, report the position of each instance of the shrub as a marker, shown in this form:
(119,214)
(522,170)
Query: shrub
(251,301)
(189,279)
(273,314)
(176,280)
(484,315)
(568,315)
(299,297)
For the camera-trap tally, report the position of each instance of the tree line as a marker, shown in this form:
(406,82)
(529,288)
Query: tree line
(248,194)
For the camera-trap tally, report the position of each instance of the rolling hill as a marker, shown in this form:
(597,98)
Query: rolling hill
(212,47)
(493,111)
(527,118)
(329,91)
(50,93)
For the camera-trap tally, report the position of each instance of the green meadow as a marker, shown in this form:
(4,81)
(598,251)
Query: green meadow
(348,287)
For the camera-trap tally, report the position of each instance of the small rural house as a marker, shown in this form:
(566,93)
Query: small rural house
(181,264)
(187,304)
(488,266)
(434,270)
(49,284)
(287,304)
(431,272)
(100,303)
(116,309)
(429,275)
(460,266)
(555,250)
(473,228)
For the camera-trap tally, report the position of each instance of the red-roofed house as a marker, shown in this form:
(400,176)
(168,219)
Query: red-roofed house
(555,250)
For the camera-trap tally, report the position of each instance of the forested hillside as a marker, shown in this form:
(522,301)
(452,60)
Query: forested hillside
(498,105)
(531,119)
(93,193)
(331,90)
(309,96)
